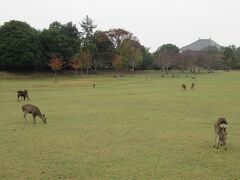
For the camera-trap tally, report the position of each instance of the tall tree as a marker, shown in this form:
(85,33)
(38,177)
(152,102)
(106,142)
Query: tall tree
(104,50)
(167,56)
(85,57)
(117,36)
(20,46)
(88,43)
(61,40)
(117,63)
(88,27)
(228,57)
(211,58)
(77,63)
(131,51)
(148,59)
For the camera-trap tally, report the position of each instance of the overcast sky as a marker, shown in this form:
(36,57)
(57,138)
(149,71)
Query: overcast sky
(154,22)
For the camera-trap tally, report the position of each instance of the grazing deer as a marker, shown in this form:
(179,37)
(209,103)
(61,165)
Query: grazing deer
(184,86)
(192,86)
(34,110)
(220,128)
(23,94)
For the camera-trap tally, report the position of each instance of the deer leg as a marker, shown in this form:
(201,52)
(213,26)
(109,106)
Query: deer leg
(219,143)
(215,140)
(25,114)
(34,119)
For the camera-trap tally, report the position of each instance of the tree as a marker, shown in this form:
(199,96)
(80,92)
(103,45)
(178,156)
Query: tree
(117,63)
(76,63)
(20,46)
(88,27)
(86,58)
(131,51)
(238,58)
(211,58)
(192,60)
(167,56)
(88,43)
(228,57)
(148,59)
(117,36)
(55,64)
(61,40)
(105,50)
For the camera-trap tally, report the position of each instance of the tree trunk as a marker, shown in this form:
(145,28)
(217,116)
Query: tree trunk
(133,66)
(81,72)
(173,74)
(182,69)
(55,77)
(229,67)
(76,73)
(167,70)
(95,69)
(163,71)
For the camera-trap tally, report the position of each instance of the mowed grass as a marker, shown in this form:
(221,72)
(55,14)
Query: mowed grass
(131,127)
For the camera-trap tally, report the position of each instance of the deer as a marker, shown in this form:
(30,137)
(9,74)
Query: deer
(192,86)
(220,129)
(23,94)
(184,86)
(34,110)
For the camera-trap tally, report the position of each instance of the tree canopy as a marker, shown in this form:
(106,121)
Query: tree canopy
(22,47)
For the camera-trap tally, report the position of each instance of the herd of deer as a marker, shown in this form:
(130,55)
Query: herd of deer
(29,108)
(220,126)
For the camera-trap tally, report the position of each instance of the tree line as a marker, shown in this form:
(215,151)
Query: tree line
(64,46)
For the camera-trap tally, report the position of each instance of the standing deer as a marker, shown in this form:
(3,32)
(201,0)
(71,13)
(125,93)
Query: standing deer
(34,110)
(220,128)
(192,86)
(23,94)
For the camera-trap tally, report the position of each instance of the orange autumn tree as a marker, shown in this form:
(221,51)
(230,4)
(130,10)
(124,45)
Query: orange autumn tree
(117,63)
(76,63)
(55,63)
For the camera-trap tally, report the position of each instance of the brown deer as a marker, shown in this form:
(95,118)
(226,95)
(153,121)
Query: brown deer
(34,110)
(184,86)
(192,86)
(220,128)
(23,94)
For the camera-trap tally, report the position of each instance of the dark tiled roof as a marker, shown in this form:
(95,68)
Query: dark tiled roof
(200,45)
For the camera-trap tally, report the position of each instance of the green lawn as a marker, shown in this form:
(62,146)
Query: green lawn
(125,128)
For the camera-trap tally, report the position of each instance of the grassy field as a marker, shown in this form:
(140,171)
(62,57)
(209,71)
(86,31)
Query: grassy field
(125,128)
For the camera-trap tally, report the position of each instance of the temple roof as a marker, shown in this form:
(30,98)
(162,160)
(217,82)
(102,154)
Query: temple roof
(200,45)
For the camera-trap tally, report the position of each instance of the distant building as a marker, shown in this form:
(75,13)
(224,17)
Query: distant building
(200,44)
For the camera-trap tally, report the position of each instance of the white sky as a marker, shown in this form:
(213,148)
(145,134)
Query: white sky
(154,22)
